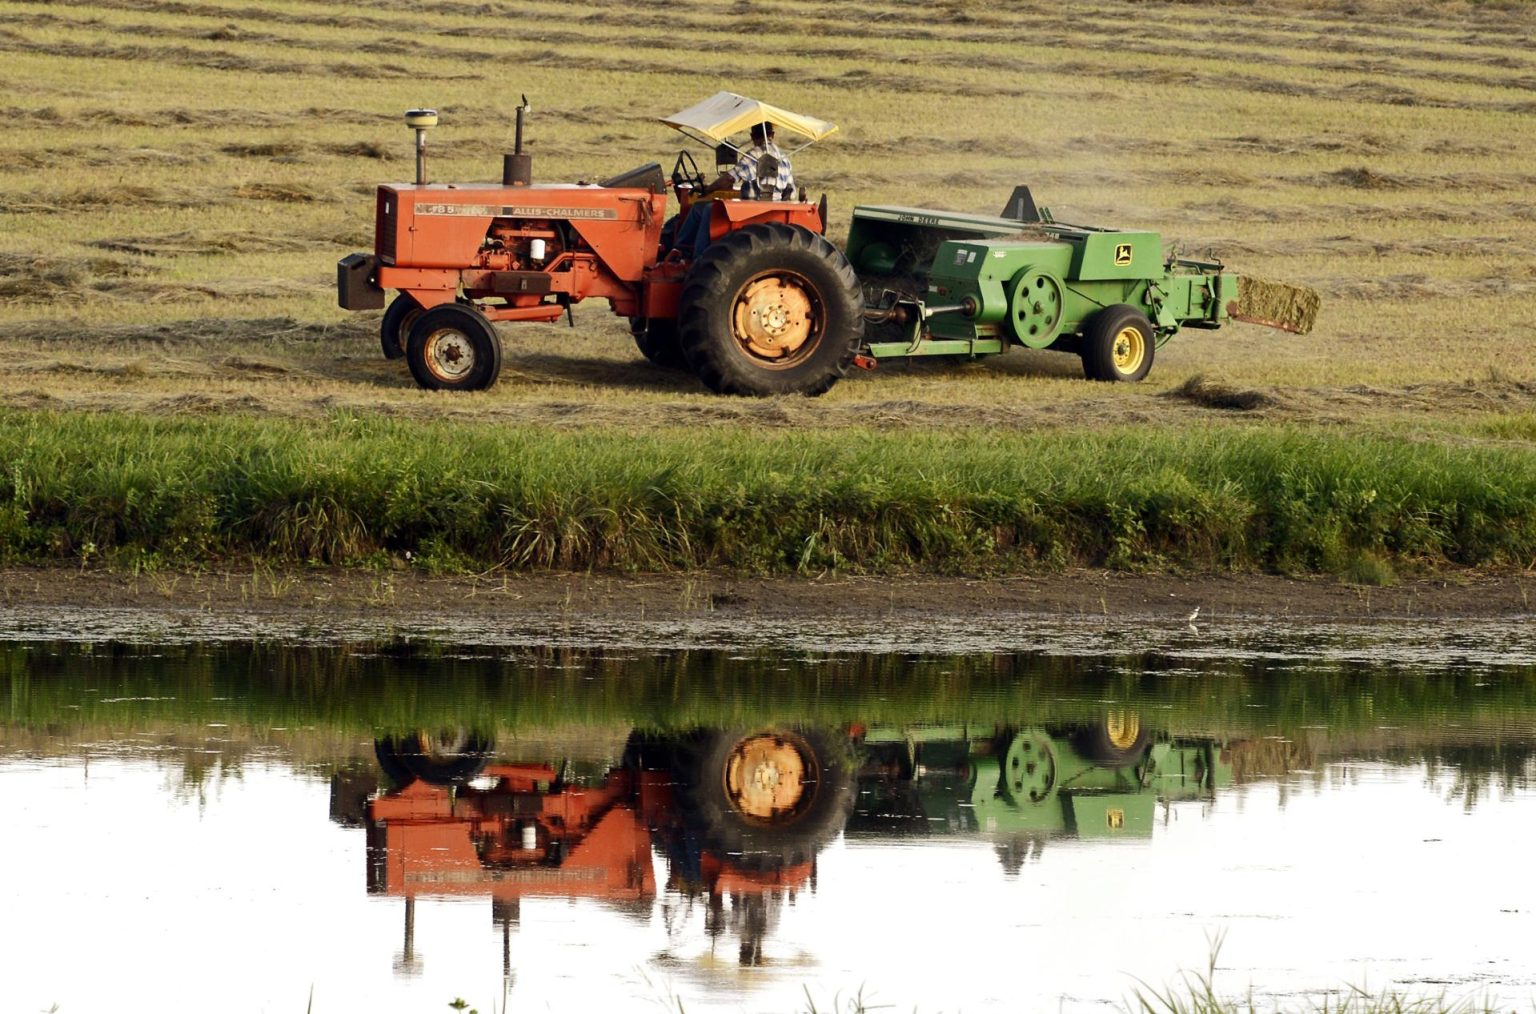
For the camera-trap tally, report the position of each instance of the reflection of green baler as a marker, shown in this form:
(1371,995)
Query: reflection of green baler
(1069,781)
(971,285)
(1043,783)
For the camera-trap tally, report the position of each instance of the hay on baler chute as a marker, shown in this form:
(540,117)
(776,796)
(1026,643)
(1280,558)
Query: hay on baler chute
(1276,304)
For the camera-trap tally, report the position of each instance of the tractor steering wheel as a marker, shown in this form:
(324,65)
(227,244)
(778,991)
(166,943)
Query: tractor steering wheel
(686,170)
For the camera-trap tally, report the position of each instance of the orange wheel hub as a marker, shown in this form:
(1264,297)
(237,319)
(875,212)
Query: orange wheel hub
(775,317)
(768,778)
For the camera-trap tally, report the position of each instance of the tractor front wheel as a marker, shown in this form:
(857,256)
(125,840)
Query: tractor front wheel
(771,309)
(1118,344)
(453,348)
(395,329)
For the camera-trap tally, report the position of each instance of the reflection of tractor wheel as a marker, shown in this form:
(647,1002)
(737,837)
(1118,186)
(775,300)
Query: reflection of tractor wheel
(395,329)
(1117,738)
(770,796)
(453,348)
(771,309)
(656,339)
(1118,344)
(446,757)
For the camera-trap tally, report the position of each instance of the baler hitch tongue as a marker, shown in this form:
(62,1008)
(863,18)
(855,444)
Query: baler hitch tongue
(1279,305)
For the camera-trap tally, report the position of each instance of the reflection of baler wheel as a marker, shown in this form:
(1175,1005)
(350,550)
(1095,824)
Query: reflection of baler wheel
(1029,768)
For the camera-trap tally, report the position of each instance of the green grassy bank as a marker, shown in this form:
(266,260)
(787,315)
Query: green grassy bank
(141,492)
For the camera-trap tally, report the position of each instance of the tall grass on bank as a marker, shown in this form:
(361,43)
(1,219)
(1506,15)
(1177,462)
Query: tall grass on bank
(459,497)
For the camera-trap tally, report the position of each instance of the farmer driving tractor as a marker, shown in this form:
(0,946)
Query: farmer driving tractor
(762,173)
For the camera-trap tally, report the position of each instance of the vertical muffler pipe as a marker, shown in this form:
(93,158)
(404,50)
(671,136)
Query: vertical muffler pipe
(421,120)
(517,168)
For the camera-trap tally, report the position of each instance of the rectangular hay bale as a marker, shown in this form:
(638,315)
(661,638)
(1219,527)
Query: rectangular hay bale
(1277,304)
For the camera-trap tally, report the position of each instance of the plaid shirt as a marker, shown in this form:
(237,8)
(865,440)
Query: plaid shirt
(744,172)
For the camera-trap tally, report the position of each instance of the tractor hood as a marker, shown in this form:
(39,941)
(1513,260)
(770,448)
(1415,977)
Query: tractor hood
(726,113)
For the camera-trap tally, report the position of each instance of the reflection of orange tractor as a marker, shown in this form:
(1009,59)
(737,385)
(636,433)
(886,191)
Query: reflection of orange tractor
(732,812)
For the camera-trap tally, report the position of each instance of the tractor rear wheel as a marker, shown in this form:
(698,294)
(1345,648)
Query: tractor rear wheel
(453,348)
(656,338)
(771,309)
(1118,344)
(768,797)
(395,329)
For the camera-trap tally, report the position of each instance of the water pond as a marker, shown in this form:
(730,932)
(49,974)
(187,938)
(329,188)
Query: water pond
(392,824)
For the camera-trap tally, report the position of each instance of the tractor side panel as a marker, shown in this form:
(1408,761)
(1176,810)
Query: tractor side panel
(626,242)
(434,227)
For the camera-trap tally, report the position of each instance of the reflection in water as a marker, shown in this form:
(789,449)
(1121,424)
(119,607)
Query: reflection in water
(742,829)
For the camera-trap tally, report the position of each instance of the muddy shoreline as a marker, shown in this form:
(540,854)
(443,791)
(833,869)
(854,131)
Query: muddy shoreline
(69,601)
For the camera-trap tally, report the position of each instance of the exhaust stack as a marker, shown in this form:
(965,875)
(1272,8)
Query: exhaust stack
(421,120)
(517,168)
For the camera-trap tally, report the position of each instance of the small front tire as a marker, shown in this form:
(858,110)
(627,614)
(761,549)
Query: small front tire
(453,348)
(1118,344)
(395,328)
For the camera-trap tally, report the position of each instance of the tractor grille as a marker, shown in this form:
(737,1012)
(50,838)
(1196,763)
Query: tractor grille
(385,221)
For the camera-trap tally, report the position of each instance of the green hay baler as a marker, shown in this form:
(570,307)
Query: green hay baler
(948,284)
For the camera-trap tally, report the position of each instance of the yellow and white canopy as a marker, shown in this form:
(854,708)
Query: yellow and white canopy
(726,113)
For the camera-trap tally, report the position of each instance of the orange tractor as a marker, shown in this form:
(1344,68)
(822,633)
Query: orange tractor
(769,307)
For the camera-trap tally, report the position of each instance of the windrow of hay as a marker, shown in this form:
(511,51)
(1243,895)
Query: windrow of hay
(29,278)
(194,243)
(1277,304)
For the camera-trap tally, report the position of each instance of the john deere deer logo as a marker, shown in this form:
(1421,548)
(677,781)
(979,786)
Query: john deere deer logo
(1122,255)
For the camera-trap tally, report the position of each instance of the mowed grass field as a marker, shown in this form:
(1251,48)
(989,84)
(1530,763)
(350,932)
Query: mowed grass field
(178,179)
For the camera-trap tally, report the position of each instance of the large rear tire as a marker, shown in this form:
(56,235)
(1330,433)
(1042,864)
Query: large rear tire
(771,309)
(1118,344)
(769,798)
(453,348)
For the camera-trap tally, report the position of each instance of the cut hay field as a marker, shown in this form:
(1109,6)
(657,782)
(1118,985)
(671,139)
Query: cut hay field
(178,179)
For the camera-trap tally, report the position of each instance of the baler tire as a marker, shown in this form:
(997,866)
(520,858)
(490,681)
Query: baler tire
(395,328)
(1118,344)
(761,283)
(1116,739)
(656,338)
(442,338)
